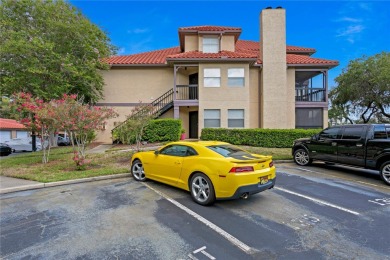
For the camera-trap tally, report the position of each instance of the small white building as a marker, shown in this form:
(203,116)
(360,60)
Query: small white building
(11,129)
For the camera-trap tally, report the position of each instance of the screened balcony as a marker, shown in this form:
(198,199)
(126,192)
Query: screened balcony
(310,86)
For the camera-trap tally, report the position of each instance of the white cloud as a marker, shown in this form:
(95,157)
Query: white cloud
(349,19)
(366,6)
(353,20)
(350,30)
(138,30)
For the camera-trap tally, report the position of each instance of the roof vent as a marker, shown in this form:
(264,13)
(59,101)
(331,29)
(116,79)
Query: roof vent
(269,7)
(279,7)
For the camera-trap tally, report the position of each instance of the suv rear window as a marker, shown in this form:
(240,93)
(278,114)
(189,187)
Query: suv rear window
(354,132)
(380,132)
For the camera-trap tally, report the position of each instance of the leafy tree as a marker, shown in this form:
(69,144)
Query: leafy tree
(67,113)
(49,48)
(37,116)
(5,108)
(133,128)
(363,90)
(79,120)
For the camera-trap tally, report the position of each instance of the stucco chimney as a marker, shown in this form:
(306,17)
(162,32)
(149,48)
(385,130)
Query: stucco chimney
(277,106)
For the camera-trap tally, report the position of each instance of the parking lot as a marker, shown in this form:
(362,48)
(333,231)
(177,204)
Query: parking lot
(317,212)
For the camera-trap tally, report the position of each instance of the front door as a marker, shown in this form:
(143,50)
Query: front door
(352,145)
(324,147)
(193,124)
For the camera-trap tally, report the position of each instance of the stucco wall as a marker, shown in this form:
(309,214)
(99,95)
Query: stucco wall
(276,101)
(227,43)
(131,85)
(191,43)
(254,86)
(224,97)
(105,135)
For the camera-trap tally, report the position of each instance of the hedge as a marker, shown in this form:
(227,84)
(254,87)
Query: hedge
(272,138)
(161,130)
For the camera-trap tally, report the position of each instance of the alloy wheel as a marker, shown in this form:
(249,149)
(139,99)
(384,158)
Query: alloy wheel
(301,157)
(385,172)
(138,171)
(200,189)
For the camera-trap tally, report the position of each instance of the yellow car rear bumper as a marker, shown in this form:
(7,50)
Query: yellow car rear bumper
(245,191)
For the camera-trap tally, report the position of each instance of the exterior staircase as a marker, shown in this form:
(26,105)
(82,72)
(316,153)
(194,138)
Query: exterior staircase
(160,106)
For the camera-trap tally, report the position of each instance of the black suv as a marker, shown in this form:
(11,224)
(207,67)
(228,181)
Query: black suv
(363,145)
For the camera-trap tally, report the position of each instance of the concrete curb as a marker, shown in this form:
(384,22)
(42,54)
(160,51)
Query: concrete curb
(61,183)
(98,178)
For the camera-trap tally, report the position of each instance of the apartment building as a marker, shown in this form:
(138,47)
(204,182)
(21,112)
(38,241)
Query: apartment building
(215,79)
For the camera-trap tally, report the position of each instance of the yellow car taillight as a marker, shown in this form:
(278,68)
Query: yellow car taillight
(242,169)
(271,164)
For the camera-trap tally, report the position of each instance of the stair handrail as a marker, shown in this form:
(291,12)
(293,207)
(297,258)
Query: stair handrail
(158,104)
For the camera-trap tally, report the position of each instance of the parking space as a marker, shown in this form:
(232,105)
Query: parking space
(313,214)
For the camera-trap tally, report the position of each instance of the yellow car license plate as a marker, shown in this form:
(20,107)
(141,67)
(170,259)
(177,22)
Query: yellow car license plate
(263,180)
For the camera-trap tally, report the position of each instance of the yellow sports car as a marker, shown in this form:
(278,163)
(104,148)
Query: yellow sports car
(210,170)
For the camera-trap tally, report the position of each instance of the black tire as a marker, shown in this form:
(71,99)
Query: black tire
(202,189)
(137,170)
(385,172)
(302,158)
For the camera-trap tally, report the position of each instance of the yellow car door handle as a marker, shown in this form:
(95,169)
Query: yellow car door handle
(177,162)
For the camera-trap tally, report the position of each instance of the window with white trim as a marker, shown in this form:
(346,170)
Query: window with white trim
(212,77)
(210,44)
(212,118)
(236,77)
(236,118)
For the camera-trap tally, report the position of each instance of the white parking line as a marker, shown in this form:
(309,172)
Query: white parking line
(318,201)
(247,249)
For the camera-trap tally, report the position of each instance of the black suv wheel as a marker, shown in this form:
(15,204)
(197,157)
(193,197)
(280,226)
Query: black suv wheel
(385,172)
(301,157)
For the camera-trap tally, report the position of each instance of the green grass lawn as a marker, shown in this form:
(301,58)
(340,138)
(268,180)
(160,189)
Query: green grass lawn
(61,167)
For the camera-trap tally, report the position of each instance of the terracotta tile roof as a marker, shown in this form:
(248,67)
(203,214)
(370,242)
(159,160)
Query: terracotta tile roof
(151,57)
(304,59)
(10,124)
(210,28)
(220,55)
(255,46)
(244,50)
(300,49)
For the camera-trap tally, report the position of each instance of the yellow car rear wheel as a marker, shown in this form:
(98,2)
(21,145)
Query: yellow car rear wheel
(202,189)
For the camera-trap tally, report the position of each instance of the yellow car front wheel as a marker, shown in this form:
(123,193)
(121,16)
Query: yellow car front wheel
(202,189)
(137,170)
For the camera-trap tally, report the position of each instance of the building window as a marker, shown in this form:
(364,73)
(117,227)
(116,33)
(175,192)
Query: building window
(212,78)
(212,118)
(236,118)
(236,77)
(308,118)
(210,44)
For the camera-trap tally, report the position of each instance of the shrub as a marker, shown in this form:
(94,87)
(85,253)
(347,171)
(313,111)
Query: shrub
(272,138)
(161,130)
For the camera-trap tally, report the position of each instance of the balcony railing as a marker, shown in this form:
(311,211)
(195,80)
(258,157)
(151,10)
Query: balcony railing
(310,94)
(186,92)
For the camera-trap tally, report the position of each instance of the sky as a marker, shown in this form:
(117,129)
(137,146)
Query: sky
(338,30)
